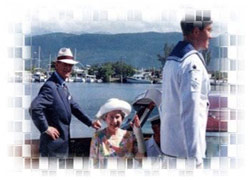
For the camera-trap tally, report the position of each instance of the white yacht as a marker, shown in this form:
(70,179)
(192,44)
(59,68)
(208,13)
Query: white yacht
(142,78)
(38,76)
(90,78)
(79,79)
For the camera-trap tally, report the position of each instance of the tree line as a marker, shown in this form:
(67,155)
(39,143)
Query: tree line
(120,69)
(117,69)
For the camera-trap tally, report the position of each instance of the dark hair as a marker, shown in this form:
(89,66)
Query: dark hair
(156,122)
(201,19)
(120,112)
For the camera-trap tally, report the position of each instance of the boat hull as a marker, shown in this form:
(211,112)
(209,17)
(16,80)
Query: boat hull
(132,80)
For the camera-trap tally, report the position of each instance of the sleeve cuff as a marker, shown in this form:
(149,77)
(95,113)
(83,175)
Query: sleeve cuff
(44,129)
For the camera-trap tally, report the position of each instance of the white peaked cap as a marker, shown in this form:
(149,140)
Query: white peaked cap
(114,104)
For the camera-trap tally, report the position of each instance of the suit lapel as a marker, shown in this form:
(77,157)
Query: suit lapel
(64,98)
(61,92)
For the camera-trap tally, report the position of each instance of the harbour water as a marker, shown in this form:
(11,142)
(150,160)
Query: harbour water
(90,96)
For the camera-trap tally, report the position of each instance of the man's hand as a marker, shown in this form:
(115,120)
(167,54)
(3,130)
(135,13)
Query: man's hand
(96,124)
(53,132)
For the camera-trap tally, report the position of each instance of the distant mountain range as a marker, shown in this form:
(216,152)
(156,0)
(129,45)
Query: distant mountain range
(137,49)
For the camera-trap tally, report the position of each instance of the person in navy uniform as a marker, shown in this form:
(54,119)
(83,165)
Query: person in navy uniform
(185,91)
(153,144)
(52,108)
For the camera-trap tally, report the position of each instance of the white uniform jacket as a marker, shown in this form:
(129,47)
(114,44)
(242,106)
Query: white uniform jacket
(152,148)
(185,103)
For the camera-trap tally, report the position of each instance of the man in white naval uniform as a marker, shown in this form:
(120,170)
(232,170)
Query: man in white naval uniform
(185,91)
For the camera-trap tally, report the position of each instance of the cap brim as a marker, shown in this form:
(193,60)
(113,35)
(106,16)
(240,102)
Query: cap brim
(68,61)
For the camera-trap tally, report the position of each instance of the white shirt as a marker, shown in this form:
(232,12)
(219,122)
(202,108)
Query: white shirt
(152,148)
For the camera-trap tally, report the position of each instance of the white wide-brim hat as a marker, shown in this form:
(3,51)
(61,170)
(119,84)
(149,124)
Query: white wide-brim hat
(65,55)
(114,104)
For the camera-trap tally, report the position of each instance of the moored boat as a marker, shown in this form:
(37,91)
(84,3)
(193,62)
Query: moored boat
(139,78)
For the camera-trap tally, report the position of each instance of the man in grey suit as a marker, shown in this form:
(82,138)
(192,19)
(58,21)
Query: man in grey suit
(52,108)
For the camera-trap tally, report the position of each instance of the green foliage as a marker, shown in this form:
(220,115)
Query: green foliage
(219,75)
(111,69)
(167,50)
(94,70)
(123,69)
(106,71)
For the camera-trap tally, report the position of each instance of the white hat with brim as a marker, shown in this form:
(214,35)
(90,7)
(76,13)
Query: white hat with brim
(65,56)
(114,104)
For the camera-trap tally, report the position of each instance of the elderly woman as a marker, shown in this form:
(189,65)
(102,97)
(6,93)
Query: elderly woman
(114,141)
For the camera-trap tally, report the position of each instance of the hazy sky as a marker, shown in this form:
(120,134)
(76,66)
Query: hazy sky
(106,17)
(112,16)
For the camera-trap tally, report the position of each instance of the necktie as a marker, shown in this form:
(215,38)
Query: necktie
(66,91)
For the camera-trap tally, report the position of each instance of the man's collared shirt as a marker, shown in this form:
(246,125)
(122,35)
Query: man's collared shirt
(61,80)
(153,149)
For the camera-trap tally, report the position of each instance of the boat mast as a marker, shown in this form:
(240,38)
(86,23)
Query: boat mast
(49,62)
(39,51)
(75,54)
